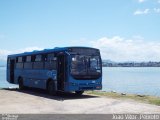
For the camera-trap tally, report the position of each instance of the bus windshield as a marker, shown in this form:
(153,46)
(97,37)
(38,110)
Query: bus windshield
(85,66)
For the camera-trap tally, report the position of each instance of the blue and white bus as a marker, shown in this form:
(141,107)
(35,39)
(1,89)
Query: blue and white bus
(67,69)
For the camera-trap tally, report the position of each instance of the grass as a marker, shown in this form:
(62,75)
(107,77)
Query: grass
(142,98)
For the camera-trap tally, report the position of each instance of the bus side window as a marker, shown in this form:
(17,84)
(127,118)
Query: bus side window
(38,63)
(19,63)
(38,58)
(51,62)
(27,62)
(28,59)
(19,59)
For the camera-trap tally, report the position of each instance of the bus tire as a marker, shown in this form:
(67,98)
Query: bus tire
(79,92)
(51,88)
(20,83)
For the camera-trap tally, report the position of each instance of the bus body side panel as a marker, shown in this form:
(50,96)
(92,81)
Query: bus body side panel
(35,78)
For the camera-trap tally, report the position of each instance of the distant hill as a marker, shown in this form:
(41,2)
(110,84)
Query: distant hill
(109,63)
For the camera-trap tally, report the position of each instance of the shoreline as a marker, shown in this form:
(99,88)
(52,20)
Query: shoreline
(154,100)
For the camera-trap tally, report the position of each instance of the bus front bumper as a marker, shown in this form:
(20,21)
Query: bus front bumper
(82,87)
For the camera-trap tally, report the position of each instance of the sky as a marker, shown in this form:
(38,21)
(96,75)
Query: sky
(123,30)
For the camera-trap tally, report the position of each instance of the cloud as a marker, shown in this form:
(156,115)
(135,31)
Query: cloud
(140,12)
(4,53)
(141,1)
(28,49)
(156,10)
(148,10)
(121,49)
(115,48)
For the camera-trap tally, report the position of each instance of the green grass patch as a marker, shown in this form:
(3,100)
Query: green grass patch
(142,98)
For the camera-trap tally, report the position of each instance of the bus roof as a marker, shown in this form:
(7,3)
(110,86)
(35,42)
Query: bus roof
(56,49)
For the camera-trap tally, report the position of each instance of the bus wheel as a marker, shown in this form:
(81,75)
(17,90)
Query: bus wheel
(21,86)
(79,92)
(51,88)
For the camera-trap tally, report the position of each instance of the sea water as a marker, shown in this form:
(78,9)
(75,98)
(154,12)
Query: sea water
(3,82)
(136,80)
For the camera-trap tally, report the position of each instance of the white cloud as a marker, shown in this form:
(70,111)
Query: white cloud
(156,10)
(4,53)
(148,10)
(140,12)
(115,48)
(28,49)
(121,49)
(141,1)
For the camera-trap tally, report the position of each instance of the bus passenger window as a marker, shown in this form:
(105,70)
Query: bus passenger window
(28,59)
(51,62)
(19,59)
(38,63)
(38,58)
(50,57)
(19,63)
(28,63)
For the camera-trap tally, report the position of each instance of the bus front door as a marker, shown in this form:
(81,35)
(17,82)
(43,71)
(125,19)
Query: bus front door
(12,64)
(61,71)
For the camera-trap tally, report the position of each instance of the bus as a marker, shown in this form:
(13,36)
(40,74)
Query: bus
(66,69)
